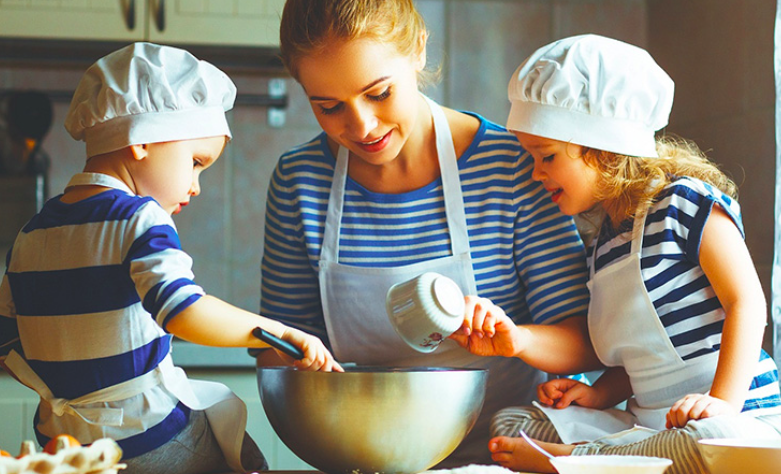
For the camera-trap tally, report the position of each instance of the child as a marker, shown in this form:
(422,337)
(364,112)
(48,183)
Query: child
(97,282)
(677,312)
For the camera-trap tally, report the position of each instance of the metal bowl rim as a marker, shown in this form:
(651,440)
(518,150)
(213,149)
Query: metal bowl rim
(380,370)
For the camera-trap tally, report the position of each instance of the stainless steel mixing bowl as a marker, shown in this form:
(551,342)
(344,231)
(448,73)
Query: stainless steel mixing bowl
(372,420)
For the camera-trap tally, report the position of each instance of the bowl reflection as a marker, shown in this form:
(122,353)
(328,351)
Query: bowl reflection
(372,420)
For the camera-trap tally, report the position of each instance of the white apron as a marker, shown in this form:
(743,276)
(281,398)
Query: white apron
(626,331)
(226,413)
(353,299)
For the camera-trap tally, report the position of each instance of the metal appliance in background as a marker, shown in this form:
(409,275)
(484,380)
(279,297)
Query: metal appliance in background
(25,119)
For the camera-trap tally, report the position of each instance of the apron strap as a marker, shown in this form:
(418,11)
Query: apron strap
(226,413)
(451,181)
(638,227)
(165,373)
(451,190)
(333,219)
(94,416)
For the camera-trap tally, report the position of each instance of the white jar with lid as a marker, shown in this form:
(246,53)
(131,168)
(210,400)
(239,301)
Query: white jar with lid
(425,310)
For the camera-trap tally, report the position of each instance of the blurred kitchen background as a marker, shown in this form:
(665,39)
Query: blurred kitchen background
(720,54)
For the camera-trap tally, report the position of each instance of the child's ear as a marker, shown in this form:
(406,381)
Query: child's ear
(139,151)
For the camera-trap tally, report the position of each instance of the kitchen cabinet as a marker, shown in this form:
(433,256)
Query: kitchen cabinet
(186,22)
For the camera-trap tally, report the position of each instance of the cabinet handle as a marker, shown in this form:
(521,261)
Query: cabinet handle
(130,15)
(160,15)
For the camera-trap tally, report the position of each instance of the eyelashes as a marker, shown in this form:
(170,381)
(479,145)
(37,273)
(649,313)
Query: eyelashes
(384,95)
(330,110)
(374,98)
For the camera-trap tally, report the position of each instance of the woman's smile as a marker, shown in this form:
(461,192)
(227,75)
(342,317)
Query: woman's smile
(376,145)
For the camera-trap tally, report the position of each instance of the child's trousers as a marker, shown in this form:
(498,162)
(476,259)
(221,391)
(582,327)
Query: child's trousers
(680,445)
(194,451)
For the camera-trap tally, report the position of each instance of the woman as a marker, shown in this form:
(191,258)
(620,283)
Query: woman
(396,186)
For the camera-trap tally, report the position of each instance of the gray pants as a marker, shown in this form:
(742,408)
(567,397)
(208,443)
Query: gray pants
(680,445)
(194,451)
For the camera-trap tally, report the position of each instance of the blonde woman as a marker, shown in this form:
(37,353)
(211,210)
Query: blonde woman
(397,185)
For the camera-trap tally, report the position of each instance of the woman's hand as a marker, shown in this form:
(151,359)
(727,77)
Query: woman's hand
(697,406)
(561,393)
(316,355)
(487,330)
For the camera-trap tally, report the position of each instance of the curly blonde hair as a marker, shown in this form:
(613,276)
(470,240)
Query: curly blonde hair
(308,26)
(624,180)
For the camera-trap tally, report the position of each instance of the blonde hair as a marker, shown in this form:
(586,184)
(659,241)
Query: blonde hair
(308,26)
(630,184)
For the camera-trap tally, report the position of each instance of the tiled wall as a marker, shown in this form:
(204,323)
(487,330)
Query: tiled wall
(719,52)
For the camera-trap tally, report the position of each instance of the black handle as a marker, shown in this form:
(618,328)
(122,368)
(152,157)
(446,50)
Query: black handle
(278,343)
(160,15)
(130,15)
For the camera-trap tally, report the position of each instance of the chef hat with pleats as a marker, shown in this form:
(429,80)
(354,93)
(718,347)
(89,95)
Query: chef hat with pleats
(592,91)
(147,93)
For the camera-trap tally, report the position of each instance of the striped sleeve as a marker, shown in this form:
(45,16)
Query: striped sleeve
(295,207)
(690,202)
(160,270)
(9,329)
(550,255)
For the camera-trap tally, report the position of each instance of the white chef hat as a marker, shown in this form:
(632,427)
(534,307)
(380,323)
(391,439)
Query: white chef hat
(592,91)
(147,93)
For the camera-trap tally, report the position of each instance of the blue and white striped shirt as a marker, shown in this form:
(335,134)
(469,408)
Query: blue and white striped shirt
(683,297)
(527,256)
(90,287)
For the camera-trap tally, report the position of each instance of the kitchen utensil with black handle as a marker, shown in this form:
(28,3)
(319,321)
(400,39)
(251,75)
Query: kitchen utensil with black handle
(278,343)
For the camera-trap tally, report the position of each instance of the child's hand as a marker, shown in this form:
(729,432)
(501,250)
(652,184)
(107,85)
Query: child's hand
(697,406)
(561,393)
(487,330)
(316,356)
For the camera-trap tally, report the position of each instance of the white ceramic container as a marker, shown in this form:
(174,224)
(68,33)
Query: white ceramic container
(738,455)
(425,310)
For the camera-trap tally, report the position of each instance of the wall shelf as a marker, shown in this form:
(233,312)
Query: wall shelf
(80,54)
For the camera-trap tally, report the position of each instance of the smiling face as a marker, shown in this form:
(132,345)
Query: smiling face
(559,166)
(169,171)
(364,95)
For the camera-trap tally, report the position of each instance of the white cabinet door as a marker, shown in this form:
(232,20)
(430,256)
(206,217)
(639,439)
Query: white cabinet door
(223,22)
(196,22)
(120,20)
